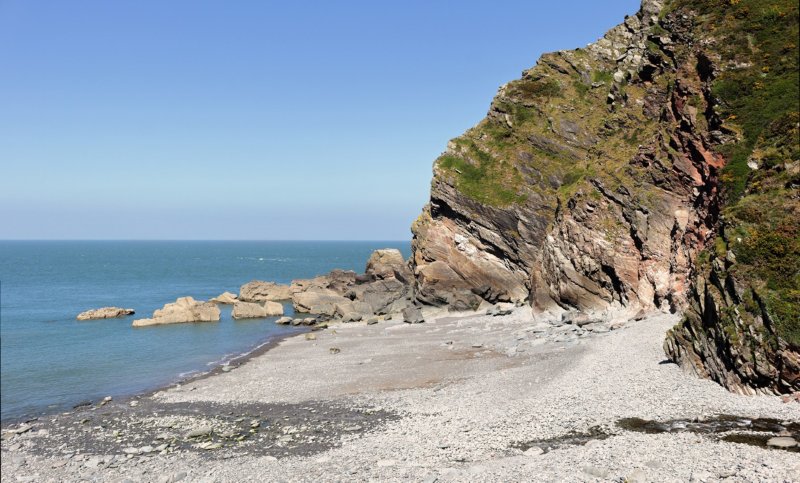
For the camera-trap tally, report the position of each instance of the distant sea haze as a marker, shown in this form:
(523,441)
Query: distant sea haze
(50,361)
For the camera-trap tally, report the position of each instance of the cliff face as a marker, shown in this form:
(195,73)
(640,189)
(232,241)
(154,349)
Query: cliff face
(599,179)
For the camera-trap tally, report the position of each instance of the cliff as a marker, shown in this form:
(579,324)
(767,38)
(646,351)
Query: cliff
(657,168)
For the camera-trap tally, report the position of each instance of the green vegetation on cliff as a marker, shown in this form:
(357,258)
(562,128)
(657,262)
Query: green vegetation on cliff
(758,91)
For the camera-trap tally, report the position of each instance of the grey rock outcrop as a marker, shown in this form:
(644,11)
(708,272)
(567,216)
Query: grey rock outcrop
(104,313)
(183,310)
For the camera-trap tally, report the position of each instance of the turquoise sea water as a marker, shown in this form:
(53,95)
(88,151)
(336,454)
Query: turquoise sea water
(50,361)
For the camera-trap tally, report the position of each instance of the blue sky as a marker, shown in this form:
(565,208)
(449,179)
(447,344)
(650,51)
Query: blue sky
(251,119)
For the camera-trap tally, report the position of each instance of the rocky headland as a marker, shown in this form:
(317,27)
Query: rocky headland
(656,169)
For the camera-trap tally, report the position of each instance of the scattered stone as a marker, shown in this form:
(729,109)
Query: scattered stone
(372,321)
(782,442)
(413,315)
(335,350)
(636,476)
(284,321)
(595,471)
(533,451)
(201,431)
(23,428)
(311,336)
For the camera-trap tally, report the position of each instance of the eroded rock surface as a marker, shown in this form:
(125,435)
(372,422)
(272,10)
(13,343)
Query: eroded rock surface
(256,310)
(185,309)
(259,291)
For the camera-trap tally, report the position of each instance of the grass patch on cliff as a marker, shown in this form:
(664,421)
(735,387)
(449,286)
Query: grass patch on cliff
(482,177)
(761,38)
(535,89)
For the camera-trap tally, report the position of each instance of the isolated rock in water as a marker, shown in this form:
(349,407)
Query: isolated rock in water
(227,298)
(104,313)
(284,321)
(259,291)
(255,310)
(388,263)
(412,315)
(320,301)
(185,309)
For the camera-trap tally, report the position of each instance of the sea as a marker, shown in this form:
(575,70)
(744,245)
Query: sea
(50,361)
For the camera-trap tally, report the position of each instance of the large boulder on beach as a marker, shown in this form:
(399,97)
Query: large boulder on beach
(104,313)
(315,300)
(226,298)
(185,309)
(413,315)
(381,295)
(354,308)
(256,310)
(388,263)
(259,291)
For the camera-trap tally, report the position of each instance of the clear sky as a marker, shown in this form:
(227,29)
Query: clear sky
(150,119)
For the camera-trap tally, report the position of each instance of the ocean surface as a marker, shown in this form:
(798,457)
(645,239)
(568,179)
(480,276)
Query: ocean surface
(50,361)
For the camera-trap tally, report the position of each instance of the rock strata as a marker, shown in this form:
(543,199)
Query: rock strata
(185,309)
(104,313)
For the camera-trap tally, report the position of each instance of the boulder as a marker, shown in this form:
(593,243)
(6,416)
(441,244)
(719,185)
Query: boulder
(104,313)
(284,321)
(259,291)
(256,310)
(579,318)
(226,298)
(413,315)
(381,294)
(351,317)
(355,307)
(387,263)
(315,300)
(185,309)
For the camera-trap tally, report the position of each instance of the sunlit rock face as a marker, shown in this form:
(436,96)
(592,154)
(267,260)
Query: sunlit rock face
(600,177)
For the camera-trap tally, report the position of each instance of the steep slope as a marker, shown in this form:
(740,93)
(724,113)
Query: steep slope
(598,177)
(743,326)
